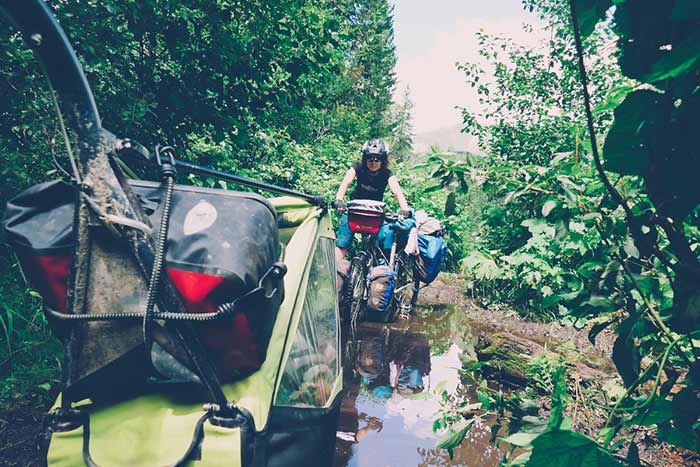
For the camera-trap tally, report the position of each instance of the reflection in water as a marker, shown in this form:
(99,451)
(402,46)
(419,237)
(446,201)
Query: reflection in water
(387,414)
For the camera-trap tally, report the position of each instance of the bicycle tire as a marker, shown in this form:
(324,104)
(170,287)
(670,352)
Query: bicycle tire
(354,289)
(407,296)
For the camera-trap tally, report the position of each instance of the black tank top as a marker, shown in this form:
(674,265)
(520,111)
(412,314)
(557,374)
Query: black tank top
(370,186)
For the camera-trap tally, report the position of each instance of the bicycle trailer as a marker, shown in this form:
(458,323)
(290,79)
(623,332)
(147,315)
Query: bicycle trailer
(289,404)
(200,326)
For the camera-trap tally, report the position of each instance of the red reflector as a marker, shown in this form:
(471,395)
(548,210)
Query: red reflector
(49,276)
(231,341)
(196,289)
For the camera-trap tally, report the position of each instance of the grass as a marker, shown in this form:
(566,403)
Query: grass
(29,354)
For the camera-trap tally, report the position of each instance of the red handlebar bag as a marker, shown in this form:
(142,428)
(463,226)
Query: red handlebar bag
(365,216)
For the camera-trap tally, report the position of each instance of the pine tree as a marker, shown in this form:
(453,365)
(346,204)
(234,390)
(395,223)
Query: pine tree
(371,62)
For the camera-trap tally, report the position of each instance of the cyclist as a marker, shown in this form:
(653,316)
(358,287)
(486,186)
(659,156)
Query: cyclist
(372,174)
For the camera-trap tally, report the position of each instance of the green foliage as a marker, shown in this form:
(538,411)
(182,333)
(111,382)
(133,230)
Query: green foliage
(545,442)
(28,352)
(622,252)
(565,447)
(589,13)
(531,107)
(656,125)
(230,74)
(454,435)
(541,372)
(440,185)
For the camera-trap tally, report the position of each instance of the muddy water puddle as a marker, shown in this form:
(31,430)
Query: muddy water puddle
(391,373)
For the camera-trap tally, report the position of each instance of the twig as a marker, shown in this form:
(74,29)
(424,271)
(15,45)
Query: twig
(589,116)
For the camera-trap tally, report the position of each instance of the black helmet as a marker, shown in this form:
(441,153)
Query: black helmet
(375,147)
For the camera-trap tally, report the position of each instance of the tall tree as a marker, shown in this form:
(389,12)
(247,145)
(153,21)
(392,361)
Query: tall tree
(371,60)
(402,133)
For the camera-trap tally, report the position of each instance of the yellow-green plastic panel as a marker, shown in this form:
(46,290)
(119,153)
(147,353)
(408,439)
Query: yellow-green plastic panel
(221,447)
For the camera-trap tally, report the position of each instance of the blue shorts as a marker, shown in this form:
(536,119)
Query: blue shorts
(343,238)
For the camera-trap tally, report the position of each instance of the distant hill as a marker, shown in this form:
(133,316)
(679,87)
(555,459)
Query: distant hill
(447,138)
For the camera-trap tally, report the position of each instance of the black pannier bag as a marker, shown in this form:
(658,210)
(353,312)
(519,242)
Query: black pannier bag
(221,245)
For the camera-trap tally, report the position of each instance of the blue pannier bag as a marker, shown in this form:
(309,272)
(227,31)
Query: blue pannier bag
(402,227)
(432,251)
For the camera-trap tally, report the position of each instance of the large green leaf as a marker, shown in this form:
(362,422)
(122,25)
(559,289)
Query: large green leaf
(686,408)
(685,10)
(560,397)
(451,204)
(633,456)
(432,188)
(627,146)
(673,184)
(614,98)
(683,438)
(454,435)
(625,353)
(589,13)
(568,448)
(678,60)
(521,439)
(657,412)
(644,27)
(587,270)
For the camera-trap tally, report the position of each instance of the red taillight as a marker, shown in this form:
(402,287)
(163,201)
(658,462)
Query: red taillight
(365,222)
(49,276)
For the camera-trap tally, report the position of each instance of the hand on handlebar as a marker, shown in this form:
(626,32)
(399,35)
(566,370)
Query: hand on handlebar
(405,214)
(339,205)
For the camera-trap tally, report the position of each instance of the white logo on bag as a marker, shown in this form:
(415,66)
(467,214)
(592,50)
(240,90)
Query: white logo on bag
(200,217)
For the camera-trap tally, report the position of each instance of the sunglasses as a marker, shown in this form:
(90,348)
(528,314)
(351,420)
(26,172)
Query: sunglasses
(374,159)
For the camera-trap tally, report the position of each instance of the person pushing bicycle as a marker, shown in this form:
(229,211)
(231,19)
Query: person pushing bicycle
(372,175)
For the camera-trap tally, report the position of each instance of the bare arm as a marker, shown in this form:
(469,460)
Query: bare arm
(398,193)
(347,180)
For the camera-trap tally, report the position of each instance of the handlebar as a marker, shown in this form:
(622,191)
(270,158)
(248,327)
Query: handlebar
(394,217)
(388,216)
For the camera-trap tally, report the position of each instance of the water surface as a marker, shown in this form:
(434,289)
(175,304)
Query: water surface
(391,372)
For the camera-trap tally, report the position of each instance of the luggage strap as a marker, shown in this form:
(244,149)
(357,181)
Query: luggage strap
(167,173)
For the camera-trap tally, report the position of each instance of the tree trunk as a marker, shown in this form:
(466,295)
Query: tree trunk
(510,357)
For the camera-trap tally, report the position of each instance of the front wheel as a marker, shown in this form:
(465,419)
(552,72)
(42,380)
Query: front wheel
(354,294)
